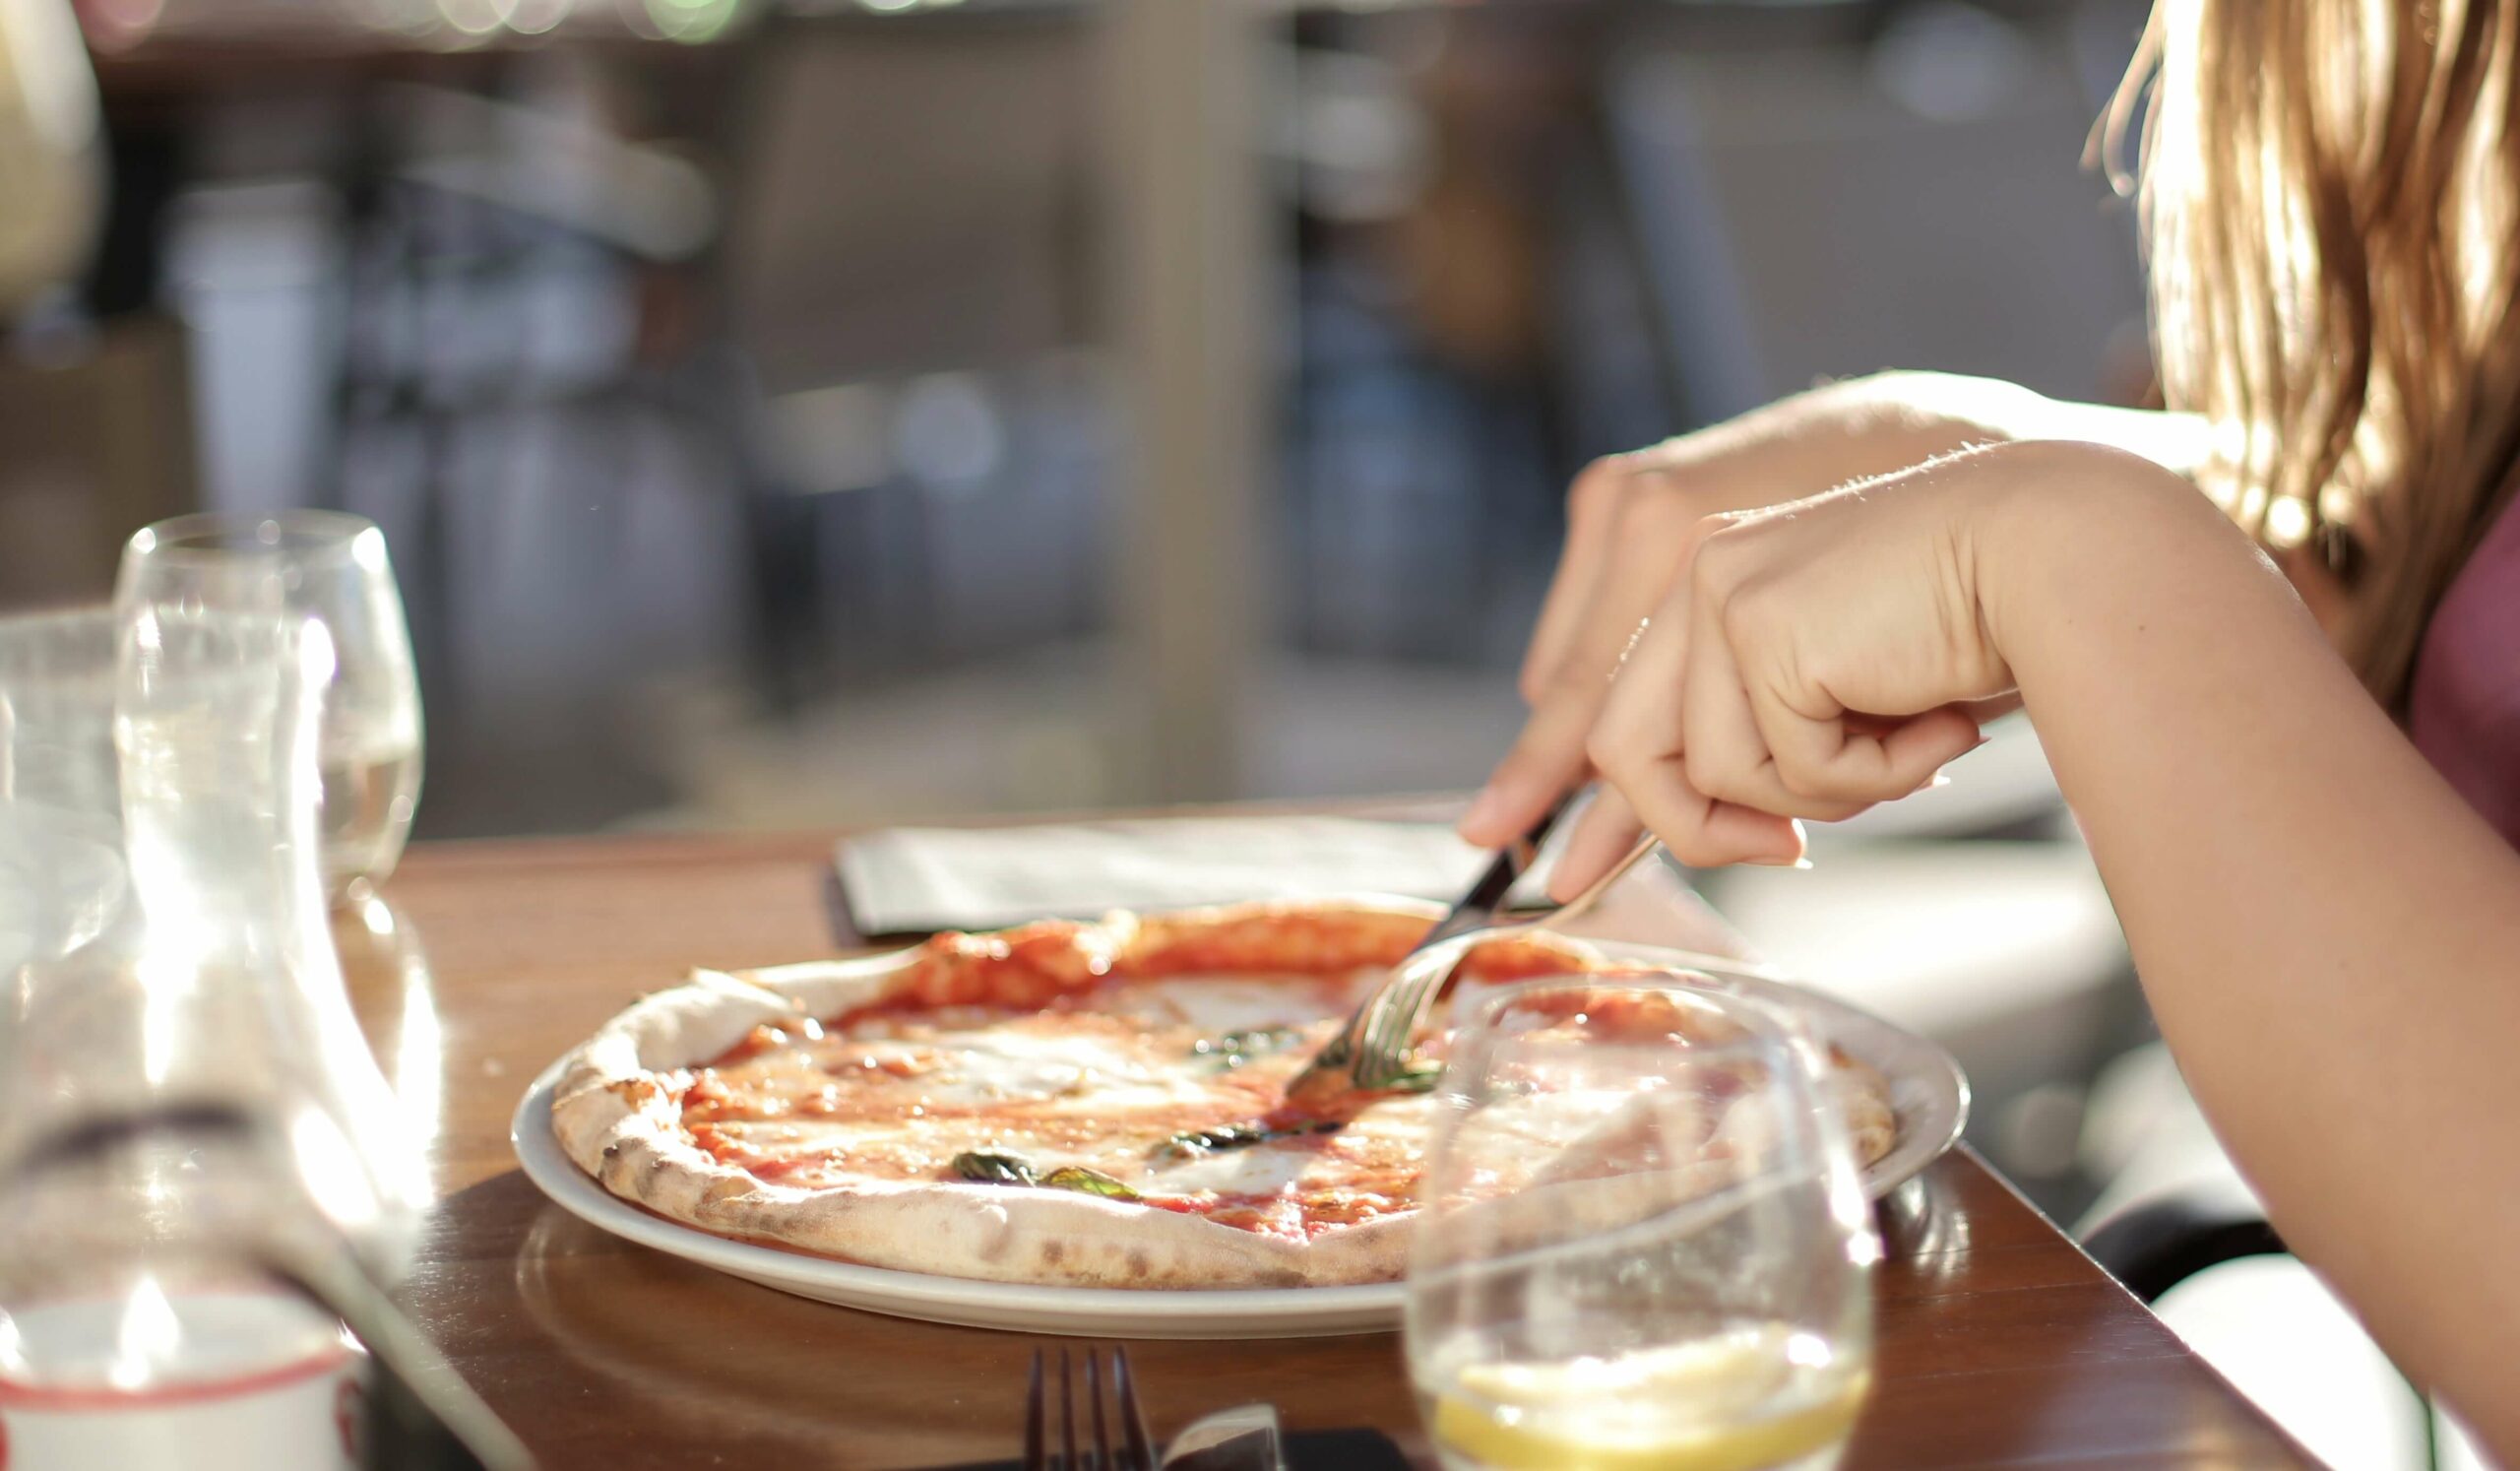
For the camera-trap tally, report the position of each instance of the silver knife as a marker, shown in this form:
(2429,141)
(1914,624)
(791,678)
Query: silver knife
(1477,910)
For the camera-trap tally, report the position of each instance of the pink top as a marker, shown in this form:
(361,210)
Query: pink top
(2463,707)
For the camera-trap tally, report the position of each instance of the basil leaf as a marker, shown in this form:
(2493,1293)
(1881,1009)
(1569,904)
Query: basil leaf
(1087,1182)
(1200,1143)
(982,1168)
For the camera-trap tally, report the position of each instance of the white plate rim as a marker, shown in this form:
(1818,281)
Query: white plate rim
(1929,1093)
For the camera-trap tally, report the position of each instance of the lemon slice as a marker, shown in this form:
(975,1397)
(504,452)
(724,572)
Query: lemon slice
(1724,1404)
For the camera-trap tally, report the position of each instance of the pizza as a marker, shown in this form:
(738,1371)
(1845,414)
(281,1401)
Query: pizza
(1098,1104)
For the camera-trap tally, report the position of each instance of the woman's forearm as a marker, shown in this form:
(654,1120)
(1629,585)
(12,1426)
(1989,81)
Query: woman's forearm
(2330,937)
(1855,429)
(1862,428)
(1991,410)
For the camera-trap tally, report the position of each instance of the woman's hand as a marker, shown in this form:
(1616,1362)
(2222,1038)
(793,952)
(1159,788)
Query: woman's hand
(1632,523)
(1631,527)
(1815,659)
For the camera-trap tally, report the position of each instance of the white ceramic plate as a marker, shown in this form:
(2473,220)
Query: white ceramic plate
(1926,1090)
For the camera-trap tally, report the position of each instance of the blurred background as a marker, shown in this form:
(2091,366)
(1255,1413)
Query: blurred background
(844,410)
(834,411)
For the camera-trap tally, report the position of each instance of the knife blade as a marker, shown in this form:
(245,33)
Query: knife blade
(1329,1071)
(1246,1438)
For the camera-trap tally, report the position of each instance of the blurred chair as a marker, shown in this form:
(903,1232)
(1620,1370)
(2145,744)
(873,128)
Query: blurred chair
(1472,322)
(909,283)
(911,197)
(1845,189)
(518,395)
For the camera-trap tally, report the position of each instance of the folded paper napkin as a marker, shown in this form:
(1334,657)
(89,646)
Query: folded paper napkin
(906,880)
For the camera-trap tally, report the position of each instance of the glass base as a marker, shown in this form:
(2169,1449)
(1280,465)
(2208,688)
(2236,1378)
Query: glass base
(1642,1458)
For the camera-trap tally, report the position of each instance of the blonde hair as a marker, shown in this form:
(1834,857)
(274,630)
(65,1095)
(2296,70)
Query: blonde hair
(2327,189)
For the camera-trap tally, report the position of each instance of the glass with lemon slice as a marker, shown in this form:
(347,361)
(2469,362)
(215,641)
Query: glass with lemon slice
(1643,1244)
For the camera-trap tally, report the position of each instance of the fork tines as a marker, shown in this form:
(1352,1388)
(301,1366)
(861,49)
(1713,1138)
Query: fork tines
(1045,1450)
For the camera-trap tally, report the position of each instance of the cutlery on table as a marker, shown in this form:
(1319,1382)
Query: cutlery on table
(1065,1430)
(1243,1439)
(1120,1443)
(1372,1049)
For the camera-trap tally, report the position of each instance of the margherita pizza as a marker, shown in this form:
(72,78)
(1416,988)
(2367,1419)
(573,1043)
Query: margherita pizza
(1074,1104)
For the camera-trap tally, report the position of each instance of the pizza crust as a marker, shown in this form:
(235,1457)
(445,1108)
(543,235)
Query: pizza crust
(616,1113)
(1862,1097)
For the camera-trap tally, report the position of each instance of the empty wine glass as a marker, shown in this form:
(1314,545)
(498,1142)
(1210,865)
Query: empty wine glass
(1644,1241)
(331,566)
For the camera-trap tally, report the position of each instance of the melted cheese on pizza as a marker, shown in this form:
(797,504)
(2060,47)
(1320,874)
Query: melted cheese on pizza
(1144,1059)
(1105,1080)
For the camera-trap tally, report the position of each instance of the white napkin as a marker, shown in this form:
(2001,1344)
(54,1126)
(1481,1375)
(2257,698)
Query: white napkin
(910,878)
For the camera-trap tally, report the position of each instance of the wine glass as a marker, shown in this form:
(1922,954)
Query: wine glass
(331,566)
(1644,1241)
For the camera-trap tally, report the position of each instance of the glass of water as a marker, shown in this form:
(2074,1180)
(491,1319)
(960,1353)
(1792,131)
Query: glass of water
(330,566)
(206,1185)
(1644,1243)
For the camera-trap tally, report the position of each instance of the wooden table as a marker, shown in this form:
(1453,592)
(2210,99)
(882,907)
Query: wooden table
(2001,1344)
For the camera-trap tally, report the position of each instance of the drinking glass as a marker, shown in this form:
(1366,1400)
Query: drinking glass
(164,940)
(1644,1243)
(203,1179)
(331,566)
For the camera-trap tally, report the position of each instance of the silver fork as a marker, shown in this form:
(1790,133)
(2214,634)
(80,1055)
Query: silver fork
(1337,1066)
(1135,1449)
(1372,1049)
